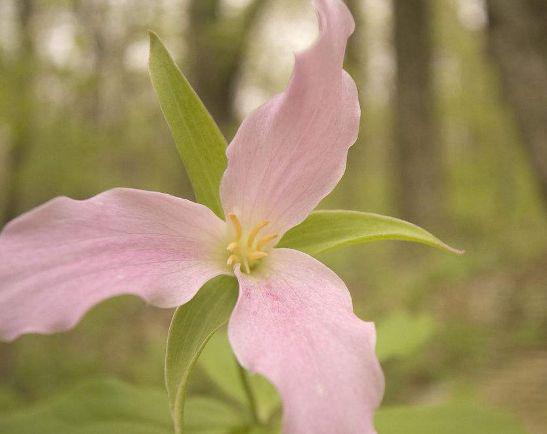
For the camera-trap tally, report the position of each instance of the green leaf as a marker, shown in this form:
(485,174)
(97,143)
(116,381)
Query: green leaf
(219,362)
(199,141)
(103,406)
(445,419)
(192,326)
(401,335)
(327,230)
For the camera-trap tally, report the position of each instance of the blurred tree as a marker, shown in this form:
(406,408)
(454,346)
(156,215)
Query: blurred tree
(350,190)
(20,117)
(417,148)
(217,46)
(21,110)
(355,56)
(93,17)
(517,37)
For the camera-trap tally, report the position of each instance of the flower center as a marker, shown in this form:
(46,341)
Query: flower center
(247,250)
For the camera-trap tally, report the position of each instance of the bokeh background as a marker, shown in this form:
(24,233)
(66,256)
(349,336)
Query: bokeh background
(454,138)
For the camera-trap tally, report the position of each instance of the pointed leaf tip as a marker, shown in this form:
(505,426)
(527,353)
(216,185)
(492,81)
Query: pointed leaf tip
(330,229)
(199,141)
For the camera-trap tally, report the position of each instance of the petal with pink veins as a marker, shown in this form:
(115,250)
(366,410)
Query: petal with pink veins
(294,324)
(62,258)
(291,152)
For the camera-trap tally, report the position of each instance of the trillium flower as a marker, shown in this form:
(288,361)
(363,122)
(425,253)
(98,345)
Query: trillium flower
(293,321)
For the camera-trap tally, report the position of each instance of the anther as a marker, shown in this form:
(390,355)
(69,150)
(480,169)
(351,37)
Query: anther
(247,251)
(232,260)
(236,223)
(265,240)
(254,232)
(233,247)
(254,256)
(246,266)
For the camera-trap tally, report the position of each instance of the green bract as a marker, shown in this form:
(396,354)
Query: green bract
(199,141)
(328,230)
(192,326)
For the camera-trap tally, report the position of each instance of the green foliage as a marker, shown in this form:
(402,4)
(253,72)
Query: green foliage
(199,141)
(205,414)
(444,419)
(219,363)
(192,326)
(102,406)
(401,335)
(332,229)
(108,406)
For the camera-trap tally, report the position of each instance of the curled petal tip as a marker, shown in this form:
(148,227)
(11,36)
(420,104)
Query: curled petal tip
(307,130)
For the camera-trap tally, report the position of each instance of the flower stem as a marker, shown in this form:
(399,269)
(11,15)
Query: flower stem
(249,392)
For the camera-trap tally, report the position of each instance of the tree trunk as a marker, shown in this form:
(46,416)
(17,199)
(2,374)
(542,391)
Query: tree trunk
(517,38)
(93,16)
(217,48)
(417,148)
(22,116)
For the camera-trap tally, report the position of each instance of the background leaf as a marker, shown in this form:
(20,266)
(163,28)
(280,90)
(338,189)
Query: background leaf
(204,413)
(109,406)
(219,362)
(102,406)
(401,335)
(445,419)
(192,326)
(199,141)
(331,229)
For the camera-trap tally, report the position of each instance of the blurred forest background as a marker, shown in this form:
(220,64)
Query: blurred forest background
(454,138)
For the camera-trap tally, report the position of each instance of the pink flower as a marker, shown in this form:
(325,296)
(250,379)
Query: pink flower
(293,321)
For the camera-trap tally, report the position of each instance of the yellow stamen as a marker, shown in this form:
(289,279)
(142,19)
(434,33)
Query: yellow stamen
(232,260)
(265,240)
(233,247)
(254,232)
(236,223)
(257,255)
(246,265)
(244,249)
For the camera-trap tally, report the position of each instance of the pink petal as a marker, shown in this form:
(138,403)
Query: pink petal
(294,324)
(291,152)
(65,256)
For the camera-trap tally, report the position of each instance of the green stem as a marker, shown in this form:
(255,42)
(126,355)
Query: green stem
(249,392)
